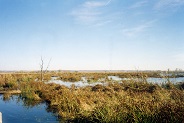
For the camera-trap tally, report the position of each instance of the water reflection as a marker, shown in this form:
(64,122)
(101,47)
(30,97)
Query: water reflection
(6,97)
(16,110)
(29,103)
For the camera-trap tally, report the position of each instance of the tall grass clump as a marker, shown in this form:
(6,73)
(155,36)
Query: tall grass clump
(30,90)
(8,82)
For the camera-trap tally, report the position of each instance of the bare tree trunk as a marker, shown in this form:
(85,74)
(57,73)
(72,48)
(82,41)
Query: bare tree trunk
(42,72)
(41,68)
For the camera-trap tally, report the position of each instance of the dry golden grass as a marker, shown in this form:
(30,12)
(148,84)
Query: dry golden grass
(129,101)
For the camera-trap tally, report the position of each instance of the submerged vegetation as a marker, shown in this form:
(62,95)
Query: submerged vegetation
(129,101)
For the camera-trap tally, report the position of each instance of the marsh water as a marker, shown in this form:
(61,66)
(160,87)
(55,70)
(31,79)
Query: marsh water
(81,83)
(14,110)
(84,81)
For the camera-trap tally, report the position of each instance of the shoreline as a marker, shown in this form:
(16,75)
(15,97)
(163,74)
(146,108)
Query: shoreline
(11,92)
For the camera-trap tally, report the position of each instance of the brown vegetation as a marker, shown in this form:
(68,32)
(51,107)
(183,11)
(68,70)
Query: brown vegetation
(128,101)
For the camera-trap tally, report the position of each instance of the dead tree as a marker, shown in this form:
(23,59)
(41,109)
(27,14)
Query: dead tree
(42,71)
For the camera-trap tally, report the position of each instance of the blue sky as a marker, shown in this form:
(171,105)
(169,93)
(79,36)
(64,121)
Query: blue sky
(92,34)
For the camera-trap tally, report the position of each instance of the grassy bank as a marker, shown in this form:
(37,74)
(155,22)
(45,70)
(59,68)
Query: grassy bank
(129,101)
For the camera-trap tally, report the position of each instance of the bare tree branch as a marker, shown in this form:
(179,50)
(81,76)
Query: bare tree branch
(48,65)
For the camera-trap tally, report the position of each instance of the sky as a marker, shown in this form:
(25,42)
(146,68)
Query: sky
(92,34)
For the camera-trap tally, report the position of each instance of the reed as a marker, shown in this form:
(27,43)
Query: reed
(129,101)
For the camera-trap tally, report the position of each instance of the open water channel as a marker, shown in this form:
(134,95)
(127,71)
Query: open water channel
(14,110)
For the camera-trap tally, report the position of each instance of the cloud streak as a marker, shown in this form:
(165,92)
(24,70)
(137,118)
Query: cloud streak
(137,29)
(86,16)
(167,4)
(94,4)
(139,4)
(89,12)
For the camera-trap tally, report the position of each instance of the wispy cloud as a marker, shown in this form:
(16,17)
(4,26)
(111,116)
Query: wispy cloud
(90,12)
(86,16)
(139,4)
(168,4)
(137,29)
(91,4)
(102,23)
